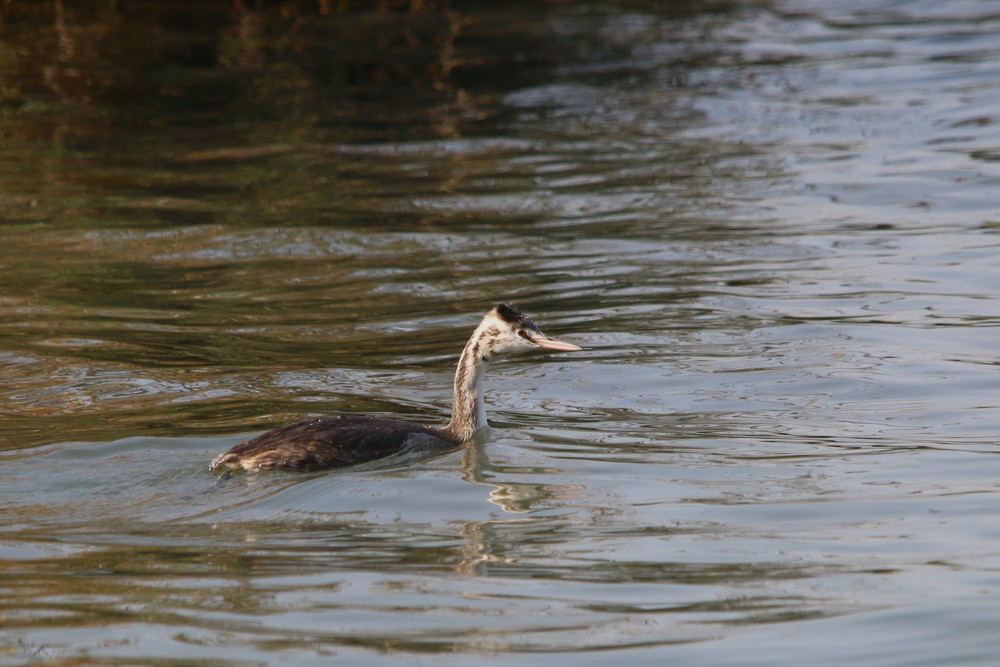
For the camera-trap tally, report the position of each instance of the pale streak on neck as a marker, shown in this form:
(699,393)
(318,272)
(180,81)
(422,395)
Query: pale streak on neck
(468,411)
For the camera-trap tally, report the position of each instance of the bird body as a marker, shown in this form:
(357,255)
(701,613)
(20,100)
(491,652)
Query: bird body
(335,442)
(331,442)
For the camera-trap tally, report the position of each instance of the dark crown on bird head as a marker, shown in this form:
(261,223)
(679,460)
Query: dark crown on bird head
(512,315)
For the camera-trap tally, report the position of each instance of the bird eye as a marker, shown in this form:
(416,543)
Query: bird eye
(522,334)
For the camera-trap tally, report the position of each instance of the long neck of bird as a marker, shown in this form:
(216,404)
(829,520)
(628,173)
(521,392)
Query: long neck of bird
(468,411)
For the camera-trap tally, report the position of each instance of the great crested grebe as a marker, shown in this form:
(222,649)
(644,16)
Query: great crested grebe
(335,442)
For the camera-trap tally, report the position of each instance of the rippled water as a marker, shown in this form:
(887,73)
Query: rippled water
(773,227)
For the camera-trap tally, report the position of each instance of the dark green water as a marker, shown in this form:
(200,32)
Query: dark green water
(773,227)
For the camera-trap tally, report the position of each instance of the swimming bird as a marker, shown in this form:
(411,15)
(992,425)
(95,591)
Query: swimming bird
(343,440)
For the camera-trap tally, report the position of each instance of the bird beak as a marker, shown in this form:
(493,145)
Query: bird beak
(547,343)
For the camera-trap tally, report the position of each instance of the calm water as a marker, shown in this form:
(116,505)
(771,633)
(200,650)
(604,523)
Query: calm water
(775,228)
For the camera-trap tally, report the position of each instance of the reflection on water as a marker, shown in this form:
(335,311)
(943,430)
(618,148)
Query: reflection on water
(773,227)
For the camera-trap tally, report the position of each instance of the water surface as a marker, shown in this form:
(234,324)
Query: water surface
(772,226)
